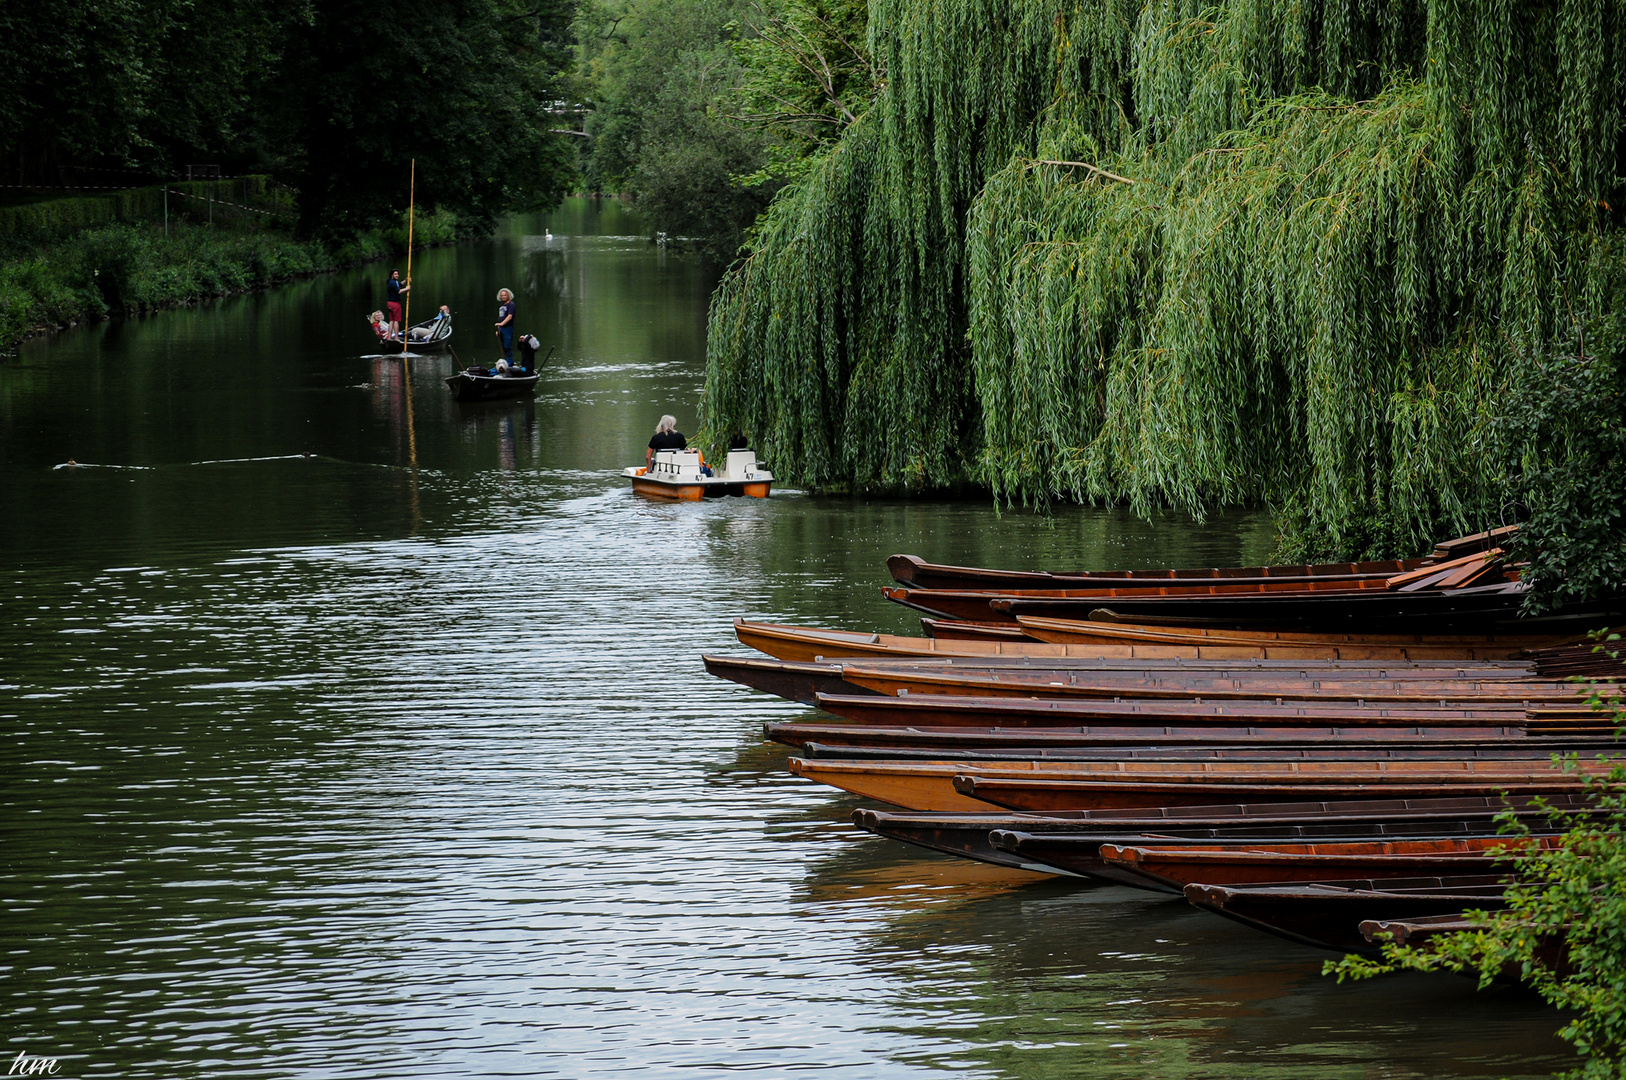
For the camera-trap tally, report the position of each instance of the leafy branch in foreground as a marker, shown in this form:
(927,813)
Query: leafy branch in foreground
(1563,931)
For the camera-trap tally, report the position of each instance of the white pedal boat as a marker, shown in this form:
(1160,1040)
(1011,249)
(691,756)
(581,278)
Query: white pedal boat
(680,475)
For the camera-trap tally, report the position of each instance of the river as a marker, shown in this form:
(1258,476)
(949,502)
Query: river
(350,732)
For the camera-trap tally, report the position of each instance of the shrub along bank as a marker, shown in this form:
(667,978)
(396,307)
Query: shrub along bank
(127,268)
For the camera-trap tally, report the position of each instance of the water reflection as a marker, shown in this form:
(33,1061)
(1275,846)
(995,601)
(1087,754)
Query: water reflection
(397,759)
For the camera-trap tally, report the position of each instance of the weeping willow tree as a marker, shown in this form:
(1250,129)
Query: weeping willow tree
(1181,253)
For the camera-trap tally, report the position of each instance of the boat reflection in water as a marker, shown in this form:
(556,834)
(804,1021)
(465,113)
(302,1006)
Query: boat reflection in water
(1074,978)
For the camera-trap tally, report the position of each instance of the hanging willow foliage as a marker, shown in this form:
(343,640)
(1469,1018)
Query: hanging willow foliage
(1181,253)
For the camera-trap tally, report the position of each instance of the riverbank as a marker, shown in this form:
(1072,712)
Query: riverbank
(130,268)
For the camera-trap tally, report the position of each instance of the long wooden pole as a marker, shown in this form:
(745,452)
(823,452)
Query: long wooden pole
(412,198)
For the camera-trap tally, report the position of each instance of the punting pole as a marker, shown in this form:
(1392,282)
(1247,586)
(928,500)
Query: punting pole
(412,198)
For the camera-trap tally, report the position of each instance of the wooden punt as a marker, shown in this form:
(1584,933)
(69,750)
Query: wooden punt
(1243,749)
(782,678)
(895,682)
(943,710)
(1171,868)
(1330,916)
(917,573)
(1043,794)
(1039,741)
(961,630)
(995,607)
(1236,855)
(1124,641)
(1070,843)
(799,681)
(1430,647)
(1493,608)
(1552,950)
(1088,785)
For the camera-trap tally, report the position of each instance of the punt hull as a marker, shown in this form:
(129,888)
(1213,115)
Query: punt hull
(1042,796)
(1121,642)
(1171,869)
(915,572)
(791,681)
(942,710)
(1094,852)
(1058,684)
(1039,741)
(1330,917)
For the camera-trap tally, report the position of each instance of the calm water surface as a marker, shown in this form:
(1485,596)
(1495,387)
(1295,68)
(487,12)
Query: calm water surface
(398,760)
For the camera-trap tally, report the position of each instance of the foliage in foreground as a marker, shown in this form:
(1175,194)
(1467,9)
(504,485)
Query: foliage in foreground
(1182,254)
(1563,931)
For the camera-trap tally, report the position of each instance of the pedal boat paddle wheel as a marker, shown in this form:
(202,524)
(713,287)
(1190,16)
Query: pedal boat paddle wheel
(680,475)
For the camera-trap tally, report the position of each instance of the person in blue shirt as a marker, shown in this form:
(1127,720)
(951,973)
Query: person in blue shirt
(505,324)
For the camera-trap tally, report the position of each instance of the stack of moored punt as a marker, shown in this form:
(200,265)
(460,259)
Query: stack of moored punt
(1312,750)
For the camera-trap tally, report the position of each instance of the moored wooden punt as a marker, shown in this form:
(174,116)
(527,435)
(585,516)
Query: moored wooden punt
(782,678)
(1330,916)
(1415,931)
(1430,647)
(894,681)
(943,710)
(1036,741)
(1044,794)
(1241,749)
(961,630)
(1087,785)
(1077,602)
(915,572)
(1070,843)
(1251,862)
(799,681)
(1125,641)
(1493,608)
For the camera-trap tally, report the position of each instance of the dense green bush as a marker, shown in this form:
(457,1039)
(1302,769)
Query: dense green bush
(124,268)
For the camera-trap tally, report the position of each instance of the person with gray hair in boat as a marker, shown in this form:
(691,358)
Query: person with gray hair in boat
(666,437)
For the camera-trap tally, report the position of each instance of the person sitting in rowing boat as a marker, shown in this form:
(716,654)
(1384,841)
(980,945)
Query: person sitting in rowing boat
(381,326)
(427,330)
(666,437)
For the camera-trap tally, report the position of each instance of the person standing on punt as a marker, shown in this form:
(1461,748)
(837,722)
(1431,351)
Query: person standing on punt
(666,437)
(505,324)
(393,290)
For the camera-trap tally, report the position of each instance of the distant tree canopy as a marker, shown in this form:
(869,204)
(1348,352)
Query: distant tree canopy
(702,109)
(333,96)
(1190,254)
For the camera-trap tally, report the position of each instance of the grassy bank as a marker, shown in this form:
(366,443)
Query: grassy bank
(127,268)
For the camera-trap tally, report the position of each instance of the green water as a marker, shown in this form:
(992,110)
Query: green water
(397,760)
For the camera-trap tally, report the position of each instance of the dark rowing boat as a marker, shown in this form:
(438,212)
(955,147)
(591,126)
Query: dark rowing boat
(482,384)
